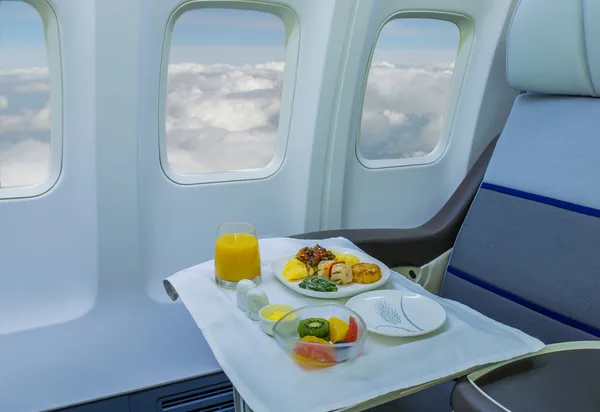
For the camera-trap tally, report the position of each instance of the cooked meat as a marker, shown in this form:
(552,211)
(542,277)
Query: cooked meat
(323,268)
(341,273)
(311,256)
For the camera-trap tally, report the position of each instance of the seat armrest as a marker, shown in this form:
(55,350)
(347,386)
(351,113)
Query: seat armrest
(560,377)
(394,247)
(420,245)
(466,397)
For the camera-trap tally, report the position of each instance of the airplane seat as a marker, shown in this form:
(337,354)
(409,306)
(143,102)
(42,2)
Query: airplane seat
(527,254)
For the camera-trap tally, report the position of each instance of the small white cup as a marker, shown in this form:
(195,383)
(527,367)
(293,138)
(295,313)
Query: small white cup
(266,324)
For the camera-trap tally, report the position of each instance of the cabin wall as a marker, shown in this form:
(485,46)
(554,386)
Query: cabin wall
(116,223)
(48,234)
(178,222)
(118,181)
(407,192)
(84,252)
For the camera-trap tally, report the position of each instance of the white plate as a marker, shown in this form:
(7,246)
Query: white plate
(398,312)
(344,291)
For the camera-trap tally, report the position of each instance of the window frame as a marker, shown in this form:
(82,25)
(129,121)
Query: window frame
(465,41)
(291,24)
(55,74)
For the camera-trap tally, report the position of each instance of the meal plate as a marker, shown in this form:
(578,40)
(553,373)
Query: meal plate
(398,312)
(343,291)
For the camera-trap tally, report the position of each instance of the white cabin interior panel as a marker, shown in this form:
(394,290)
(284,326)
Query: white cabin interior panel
(159,127)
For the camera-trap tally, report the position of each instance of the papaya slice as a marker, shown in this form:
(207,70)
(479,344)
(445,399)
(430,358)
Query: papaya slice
(316,353)
(337,329)
(352,334)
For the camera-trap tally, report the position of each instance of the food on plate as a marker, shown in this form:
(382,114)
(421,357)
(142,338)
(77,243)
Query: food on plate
(339,273)
(323,270)
(318,284)
(306,263)
(311,256)
(346,258)
(324,266)
(294,270)
(352,334)
(366,273)
(337,330)
(317,327)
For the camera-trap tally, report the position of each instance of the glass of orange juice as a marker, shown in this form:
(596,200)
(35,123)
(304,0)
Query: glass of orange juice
(236,255)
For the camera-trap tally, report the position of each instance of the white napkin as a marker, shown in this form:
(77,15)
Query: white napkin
(268,379)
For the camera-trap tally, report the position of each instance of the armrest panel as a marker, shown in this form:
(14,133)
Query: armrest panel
(557,379)
(394,247)
(418,246)
(466,398)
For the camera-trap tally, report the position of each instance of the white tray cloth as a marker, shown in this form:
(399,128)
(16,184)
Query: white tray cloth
(269,380)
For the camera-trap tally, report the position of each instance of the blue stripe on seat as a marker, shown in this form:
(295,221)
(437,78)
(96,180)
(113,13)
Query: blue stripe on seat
(542,199)
(524,302)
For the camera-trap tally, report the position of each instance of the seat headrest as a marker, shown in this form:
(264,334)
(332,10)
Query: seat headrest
(553,47)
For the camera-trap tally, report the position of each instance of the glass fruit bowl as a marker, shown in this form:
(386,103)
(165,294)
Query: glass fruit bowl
(321,335)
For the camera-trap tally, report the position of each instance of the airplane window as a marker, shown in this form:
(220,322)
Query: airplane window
(407,88)
(24,97)
(224,87)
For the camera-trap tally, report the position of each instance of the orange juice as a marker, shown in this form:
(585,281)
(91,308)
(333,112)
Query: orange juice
(237,257)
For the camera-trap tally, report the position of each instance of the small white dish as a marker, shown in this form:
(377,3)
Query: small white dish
(343,291)
(266,324)
(398,312)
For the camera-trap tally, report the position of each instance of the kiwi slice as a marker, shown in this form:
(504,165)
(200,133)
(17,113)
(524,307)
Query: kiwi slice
(316,327)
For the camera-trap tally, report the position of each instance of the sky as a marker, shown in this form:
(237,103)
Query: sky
(224,91)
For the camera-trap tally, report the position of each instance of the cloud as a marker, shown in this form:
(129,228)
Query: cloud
(223,117)
(33,87)
(24,163)
(29,121)
(24,126)
(404,109)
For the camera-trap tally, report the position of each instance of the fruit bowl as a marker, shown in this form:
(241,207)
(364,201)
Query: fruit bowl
(322,335)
